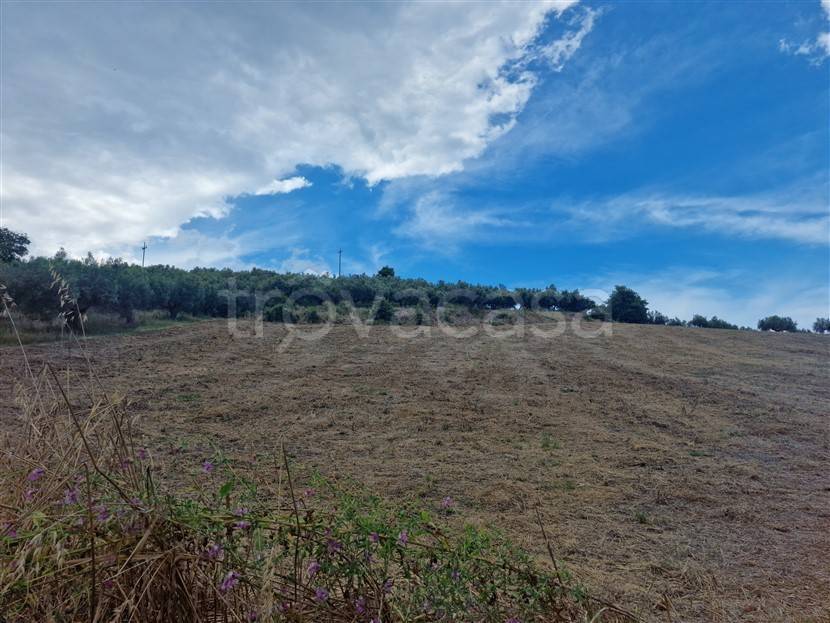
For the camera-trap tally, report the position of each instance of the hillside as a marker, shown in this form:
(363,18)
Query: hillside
(676,468)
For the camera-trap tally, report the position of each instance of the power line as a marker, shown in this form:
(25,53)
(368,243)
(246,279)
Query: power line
(339,262)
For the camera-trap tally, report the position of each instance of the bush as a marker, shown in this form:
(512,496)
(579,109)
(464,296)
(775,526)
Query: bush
(713,323)
(655,317)
(385,312)
(598,313)
(777,323)
(822,325)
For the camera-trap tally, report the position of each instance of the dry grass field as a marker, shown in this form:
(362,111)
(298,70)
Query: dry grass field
(681,473)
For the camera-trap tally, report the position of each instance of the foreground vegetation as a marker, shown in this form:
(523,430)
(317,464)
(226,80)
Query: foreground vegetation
(94,526)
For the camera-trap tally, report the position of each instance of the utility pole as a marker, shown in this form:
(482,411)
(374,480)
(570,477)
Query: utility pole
(339,262)
(143,251)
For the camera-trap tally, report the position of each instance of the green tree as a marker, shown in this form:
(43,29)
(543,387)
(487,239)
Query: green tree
(573,301)
(699,321)
(626,305)
(655,317)
(132,291)
(777,323)
(822,325)
(13,246)
(30,286)
(719,323)
(386,271)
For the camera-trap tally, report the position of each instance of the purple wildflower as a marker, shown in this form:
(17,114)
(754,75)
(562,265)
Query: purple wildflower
(207,466)
(447,503)
(107,584)
(142,454)
(360,605)
(29,494)
(70,496)
(313,568)
(9,530)
(35,474)
(374,537)
(241,511)
(214,551)
(252,616)
(334,546)
(403,537)
(321,594)
(230,582)
(103,513)
(513,620)
(309,493)
(242,525)
(456,575)
(387,586)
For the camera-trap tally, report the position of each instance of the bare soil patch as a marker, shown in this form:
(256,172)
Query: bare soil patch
(682,473)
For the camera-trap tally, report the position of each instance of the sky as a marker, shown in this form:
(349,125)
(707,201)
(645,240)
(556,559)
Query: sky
(681,148)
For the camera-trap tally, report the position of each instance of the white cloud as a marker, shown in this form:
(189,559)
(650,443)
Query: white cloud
(816,51)
(436,222)
(301,261)
(125,120)
(287,185)
(560,51)
(791,214)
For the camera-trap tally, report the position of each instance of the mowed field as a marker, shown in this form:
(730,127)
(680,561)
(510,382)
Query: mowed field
(682,473)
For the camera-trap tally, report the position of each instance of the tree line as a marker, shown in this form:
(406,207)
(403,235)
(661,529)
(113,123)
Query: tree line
(115,286)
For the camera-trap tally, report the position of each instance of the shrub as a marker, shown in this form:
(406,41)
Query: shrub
(713,323)
(717,323)
(822,325)
(655,317)
(777,323)
(503,318)
(598,313)
(573,301)
(385,311)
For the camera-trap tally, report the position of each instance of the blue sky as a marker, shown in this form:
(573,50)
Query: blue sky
(680,148)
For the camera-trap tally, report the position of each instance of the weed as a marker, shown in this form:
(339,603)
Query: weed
(549,443)
(188,397)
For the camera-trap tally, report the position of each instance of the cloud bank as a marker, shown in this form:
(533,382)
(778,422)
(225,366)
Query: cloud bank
(126,120)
